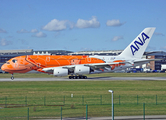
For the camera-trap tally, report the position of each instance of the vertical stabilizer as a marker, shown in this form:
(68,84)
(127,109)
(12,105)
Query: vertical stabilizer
(138,46)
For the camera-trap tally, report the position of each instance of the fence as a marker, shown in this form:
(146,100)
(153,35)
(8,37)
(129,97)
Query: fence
(80,111)
(80,100)
(80,106)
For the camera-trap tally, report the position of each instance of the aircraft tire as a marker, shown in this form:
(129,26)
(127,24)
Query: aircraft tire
(77,77)
(85,77)
(70,77)
(12,78)
(81,77)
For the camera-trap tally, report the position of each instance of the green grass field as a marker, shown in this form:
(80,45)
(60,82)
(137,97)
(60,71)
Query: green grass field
(46,98)
(49,88)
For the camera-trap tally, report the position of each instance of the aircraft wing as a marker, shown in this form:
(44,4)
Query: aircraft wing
(95,66)
(102,65)
(99,66)
(51,69)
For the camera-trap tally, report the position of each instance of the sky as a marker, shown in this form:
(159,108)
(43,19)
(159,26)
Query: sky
(80,25)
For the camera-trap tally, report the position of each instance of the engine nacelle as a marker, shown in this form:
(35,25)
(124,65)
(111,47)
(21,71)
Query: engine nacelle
(80,70)
(60,72)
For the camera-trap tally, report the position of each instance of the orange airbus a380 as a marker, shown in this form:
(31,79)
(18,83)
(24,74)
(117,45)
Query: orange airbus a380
(77,66)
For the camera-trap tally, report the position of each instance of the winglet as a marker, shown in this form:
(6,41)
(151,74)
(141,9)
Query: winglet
(138,46)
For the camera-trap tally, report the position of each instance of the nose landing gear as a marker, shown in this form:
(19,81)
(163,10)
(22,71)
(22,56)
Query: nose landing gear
(12,77)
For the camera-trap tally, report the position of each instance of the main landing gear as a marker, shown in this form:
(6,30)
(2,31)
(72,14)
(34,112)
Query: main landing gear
(77,77)
(12,77)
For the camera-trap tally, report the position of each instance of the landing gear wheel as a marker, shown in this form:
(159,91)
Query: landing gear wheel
(70,77)
(85,77)
(80,77)
(12,77)
(77,77)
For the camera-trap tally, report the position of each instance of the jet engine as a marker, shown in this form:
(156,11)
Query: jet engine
(60,72)
(80,70)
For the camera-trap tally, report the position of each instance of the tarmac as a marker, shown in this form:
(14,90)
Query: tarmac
(148,117)
(89,79)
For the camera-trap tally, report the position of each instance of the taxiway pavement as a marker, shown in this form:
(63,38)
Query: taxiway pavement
(89,79)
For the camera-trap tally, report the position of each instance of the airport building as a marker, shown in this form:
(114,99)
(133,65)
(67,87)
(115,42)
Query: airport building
(156,65)
(51,52)
(5,55)
(106,52)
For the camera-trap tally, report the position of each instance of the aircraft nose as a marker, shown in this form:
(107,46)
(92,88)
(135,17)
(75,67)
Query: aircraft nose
(3,67)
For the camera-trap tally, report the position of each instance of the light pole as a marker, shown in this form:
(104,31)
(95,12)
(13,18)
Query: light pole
(111,91)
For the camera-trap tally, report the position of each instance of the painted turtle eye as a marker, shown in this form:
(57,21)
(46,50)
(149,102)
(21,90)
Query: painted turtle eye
(14,60)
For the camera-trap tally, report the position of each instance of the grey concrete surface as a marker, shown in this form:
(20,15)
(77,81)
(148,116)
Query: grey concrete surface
(89,79)
(148,117)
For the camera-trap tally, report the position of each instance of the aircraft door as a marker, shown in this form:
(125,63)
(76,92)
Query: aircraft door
(47,59)
(75,62)
(88,59)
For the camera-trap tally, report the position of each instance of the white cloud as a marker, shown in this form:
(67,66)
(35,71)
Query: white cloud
(3,31)
(161,34)
(4,42)
(114,23)
(93,23)
(26,31)
(23,42)
(22,31)
(34,31)
(117,38)
(39,34)
(56,25)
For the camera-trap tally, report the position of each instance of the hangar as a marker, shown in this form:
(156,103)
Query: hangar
(105,52)
(51,52)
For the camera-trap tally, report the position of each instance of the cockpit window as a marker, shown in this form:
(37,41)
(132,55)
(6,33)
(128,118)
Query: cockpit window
(14,60)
